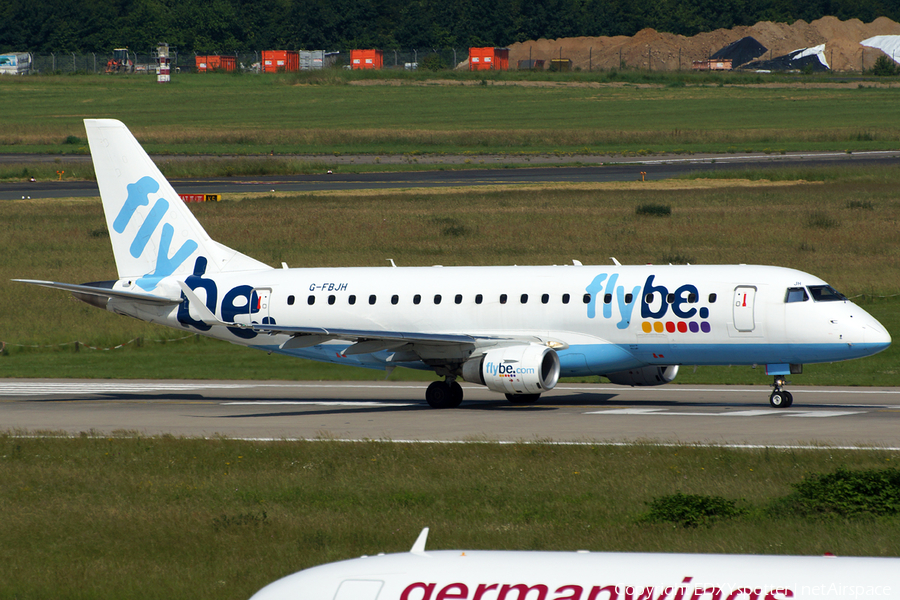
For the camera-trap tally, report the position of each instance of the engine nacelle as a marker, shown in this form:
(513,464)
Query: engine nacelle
(523,369)
(644,376)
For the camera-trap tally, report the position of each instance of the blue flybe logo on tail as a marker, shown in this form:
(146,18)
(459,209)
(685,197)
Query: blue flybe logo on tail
(139,195)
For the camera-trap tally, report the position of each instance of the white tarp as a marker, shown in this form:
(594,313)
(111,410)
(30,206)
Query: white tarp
(889,44)
(813,51)
(15,63)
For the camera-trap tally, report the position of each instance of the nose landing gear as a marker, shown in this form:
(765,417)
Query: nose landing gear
(780,398)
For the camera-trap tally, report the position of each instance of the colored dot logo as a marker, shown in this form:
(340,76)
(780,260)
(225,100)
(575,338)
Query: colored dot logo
(673,326)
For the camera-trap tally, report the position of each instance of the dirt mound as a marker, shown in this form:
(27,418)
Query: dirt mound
(669,52)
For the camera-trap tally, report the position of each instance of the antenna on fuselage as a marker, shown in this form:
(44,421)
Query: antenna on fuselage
(392,262)
(419,546)
(617,263)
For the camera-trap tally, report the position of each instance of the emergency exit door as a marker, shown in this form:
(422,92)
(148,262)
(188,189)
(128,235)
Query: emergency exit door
(744,307)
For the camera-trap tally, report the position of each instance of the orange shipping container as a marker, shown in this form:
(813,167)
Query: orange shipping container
(274,61)
(488,59)
(215,63)
(366,59)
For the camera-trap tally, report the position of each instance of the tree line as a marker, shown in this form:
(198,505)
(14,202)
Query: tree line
(212,26)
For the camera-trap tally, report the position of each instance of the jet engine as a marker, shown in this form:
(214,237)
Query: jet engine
(530,369)
(644,376)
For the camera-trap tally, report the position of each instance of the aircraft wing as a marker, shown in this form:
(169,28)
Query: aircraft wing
(366,341)
(97,289)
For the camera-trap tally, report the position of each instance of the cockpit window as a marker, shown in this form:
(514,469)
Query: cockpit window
(797,294)
(826,293)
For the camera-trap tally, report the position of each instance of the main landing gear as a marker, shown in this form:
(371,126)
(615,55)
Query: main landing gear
(780,398)
(523,398)
(449,394)
(444,394)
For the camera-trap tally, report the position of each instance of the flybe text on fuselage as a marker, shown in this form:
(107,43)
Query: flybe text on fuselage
(655,301)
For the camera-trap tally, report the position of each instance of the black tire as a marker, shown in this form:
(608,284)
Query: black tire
(788,399)
(779,399)
(523,398)
(441,395)
(456,395)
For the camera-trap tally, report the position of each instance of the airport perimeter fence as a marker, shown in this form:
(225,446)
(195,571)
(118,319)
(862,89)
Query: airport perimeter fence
(418,59)
(185,62)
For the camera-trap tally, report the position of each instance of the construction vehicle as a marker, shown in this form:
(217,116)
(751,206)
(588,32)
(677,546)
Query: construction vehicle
(120,62)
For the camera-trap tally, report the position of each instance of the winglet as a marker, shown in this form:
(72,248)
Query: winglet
(419,546)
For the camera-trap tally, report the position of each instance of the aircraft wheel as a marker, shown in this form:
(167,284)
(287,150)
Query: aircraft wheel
(523,398)
(788,399)
(441,395)
(456,395)
(781,399)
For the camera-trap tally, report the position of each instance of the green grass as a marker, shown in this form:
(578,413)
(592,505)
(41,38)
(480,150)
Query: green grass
(288,114)
(764,223)
(131,517)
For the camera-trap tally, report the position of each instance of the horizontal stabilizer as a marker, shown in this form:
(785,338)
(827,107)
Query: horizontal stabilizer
(95,290)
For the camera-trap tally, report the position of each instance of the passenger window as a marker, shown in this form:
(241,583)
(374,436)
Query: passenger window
(586,298)
(351,299)
(826,293)
(712,298)
(629,298)
(417,298)
(797,294)
(565,298)
(670,298)
(692,298)
(372,299)
(607,299)
(649,299)
(311,300)
(502,298)
(478,299)
(458,299)
(291,300)
(395,299)
(437,298)
(331,299)
(523,298)
(545,298)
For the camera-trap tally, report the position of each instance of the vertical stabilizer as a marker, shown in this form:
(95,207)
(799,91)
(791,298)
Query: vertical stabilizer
(153,233)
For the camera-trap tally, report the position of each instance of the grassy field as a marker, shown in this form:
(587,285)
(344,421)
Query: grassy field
(840,225)
(127,517)
(358,113)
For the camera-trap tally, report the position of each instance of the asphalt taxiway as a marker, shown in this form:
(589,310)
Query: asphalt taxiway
(617,169)
(571,413)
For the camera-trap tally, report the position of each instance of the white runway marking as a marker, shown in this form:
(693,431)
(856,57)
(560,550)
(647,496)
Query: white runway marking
(108,387)
(772,412)
(313,403)
(40,388)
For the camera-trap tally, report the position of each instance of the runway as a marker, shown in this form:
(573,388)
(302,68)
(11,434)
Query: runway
(571,413)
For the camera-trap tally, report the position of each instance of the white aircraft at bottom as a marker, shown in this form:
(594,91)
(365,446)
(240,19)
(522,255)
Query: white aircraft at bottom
(518,575)
(515,330)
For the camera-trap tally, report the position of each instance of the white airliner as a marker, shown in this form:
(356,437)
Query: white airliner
(516,330)
(517,575)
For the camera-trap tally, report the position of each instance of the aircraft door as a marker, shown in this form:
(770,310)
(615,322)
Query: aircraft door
(259,305)
(359,589)
(744,307)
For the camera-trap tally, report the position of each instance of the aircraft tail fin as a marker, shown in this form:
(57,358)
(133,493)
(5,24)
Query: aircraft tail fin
(153,234)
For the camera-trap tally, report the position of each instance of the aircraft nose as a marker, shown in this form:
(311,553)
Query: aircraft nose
(876,335)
